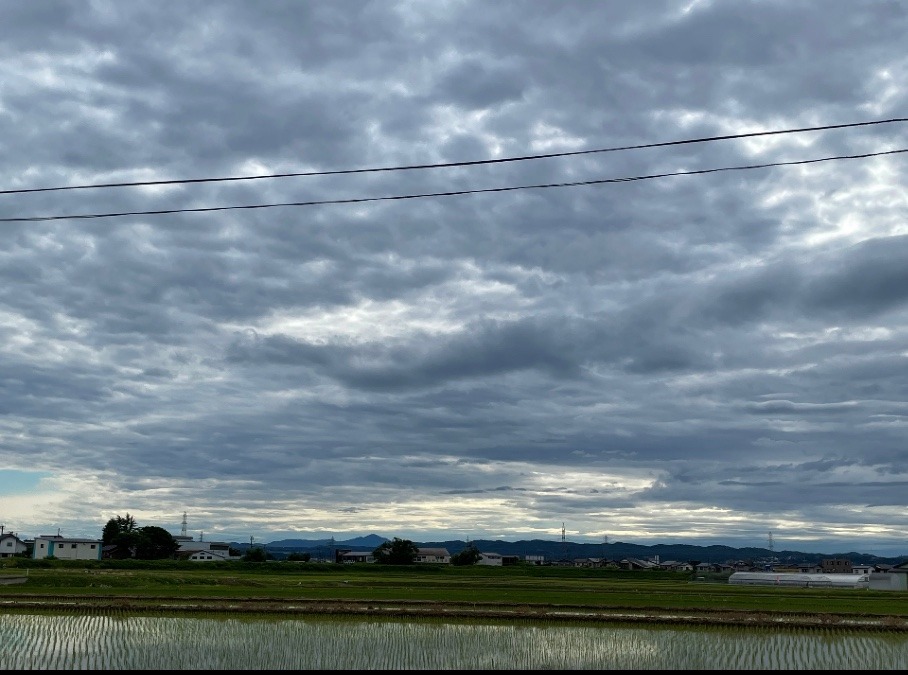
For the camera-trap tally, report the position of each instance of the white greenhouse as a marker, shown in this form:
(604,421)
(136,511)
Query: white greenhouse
(803,580)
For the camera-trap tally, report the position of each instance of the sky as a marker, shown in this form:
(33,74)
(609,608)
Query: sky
(695,356)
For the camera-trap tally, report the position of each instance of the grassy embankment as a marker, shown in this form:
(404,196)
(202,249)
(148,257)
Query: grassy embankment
(521,591)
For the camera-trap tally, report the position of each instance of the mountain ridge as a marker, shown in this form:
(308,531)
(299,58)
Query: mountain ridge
(556,550)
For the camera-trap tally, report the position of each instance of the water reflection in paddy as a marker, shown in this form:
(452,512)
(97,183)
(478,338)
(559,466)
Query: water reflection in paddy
(43,642)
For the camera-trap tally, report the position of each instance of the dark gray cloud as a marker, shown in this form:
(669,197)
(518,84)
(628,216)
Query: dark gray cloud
(700,358)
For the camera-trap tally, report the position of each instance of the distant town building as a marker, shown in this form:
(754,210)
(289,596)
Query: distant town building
(497,559)
(590,562)
(836,566)
(636,564)
(203,551)
(348,556)
(433,555)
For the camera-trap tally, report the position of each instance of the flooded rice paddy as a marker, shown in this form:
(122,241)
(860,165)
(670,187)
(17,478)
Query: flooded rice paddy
(79,642)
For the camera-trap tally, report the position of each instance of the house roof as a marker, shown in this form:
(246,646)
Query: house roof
(639,563)
(223,555)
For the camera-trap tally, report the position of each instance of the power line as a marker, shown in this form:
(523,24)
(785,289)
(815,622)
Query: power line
(478,162)
(452,193)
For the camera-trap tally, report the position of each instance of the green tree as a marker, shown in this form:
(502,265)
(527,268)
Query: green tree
(469,556)
(396,552)
(146,543)
(125,545)
(296,556)
(121,532)
(116,526)
(110,531)
(256,554)
(155,543)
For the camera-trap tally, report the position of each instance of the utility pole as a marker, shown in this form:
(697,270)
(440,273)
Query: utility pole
(563,544)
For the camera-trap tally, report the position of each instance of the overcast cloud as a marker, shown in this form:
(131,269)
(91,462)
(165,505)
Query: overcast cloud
(695,359)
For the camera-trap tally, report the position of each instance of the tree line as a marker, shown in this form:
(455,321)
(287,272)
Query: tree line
(131,541)
(151,542)
(404,552)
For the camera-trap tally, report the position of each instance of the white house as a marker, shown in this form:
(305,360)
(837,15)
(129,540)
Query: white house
(589,562)
(490,559)
(203,556)
(66,548)
(349,557)
(203,550)
(433,555)
(10,545)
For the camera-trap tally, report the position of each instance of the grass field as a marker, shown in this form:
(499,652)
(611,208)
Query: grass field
(424,590)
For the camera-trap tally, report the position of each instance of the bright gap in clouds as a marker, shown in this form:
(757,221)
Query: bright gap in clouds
(19,482)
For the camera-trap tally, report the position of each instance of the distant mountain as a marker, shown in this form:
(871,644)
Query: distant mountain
(666,552)
(557,550)
(369,542)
